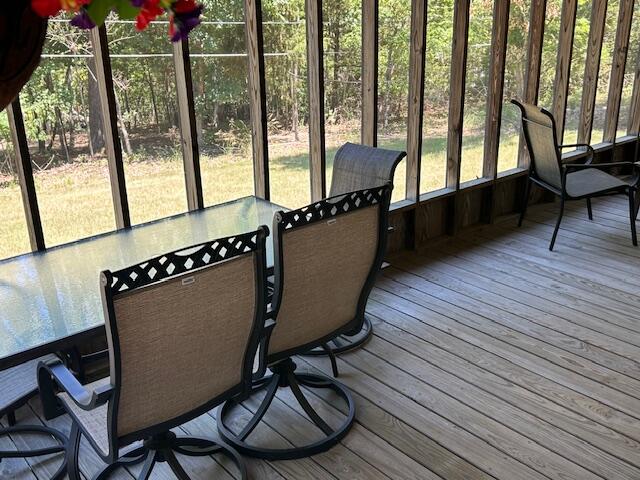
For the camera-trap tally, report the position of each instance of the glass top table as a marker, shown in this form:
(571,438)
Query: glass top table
(51,300)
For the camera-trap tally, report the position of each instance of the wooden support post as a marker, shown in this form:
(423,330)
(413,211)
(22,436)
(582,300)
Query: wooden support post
(634,110)
(416,96)
(532,71)
(188,129)
(369,121)
(315,84)
(257,96)
(25,176)
(563,64)
(110,126)
(618,65)
(496,88)
(591,69)
(456,91)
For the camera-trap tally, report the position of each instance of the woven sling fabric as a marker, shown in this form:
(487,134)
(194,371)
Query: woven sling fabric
(542,145)
(20,381)
(325,266)
(357,167)
(94,422)
(183,341)
(587,182)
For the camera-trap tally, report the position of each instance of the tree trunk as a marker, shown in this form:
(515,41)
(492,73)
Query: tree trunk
(294,98)
(123,128)
(386,102)
(96,129)
(153,97)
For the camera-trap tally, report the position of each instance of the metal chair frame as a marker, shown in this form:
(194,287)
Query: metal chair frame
(568,168)
(159,443)
(388,160)
(60,438)
(281,365)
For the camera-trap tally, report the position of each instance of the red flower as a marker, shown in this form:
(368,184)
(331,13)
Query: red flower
(46,8)
(184,6)
(148,13)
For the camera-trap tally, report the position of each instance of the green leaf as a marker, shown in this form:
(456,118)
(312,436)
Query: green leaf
(125,10)
(99,9)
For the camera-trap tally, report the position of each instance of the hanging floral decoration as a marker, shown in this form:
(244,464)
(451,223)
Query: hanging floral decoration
(184,15)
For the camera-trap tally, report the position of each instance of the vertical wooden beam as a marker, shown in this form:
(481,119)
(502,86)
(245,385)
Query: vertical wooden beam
(532,71)
(591,69)
(315,84)
(369,122)
(496,88)
(416,96)
(563,64)
(25,176)
(456,91)
(257,96)
(634,110)
(188,129)
(110,126)
(618,65)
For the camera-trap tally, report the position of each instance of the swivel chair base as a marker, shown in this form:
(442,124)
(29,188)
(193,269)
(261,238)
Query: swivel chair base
(159,448)
(60,446)
(284,376)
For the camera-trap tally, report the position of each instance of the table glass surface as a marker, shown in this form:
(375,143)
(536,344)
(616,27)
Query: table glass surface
(51,295)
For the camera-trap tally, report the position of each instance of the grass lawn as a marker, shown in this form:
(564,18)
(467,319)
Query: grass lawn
(75,199)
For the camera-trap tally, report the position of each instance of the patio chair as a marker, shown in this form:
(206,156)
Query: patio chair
(570,181)
(356,167)
(17,386)
(327,258)
(183,330)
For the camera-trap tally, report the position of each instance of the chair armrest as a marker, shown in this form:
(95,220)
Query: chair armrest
(56,373)
(589,151)
(583,166)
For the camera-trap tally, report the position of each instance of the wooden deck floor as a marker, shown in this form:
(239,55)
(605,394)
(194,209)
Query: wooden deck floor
(492,358)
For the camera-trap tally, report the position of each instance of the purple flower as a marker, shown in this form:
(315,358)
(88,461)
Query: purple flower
(185,22)
(137,3)
(82,20)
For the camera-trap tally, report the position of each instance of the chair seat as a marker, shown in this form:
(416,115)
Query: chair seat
(93,423)
(19,383)
(591,181)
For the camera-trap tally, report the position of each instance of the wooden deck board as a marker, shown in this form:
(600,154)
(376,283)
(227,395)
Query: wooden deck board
(492,358)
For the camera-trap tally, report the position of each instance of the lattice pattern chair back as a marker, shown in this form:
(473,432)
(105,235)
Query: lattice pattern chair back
(327,255)
(183,330)
(356,167)
(539,130)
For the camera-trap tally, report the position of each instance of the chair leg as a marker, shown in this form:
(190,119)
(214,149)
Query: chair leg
(174,465)
(73,449)
(589,209)
(632,216)
(525,202)
(147,468)
(555,231)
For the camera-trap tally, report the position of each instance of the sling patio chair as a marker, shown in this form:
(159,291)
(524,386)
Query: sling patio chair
(356,167)
(183,330)
(570,181)
(17,386)
(327,257)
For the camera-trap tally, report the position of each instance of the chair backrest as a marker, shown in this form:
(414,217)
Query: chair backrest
(327,256)
(183,330)
(356,167)
(538,126)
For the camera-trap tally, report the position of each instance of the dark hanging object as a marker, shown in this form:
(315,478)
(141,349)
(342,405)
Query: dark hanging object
(22,35)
